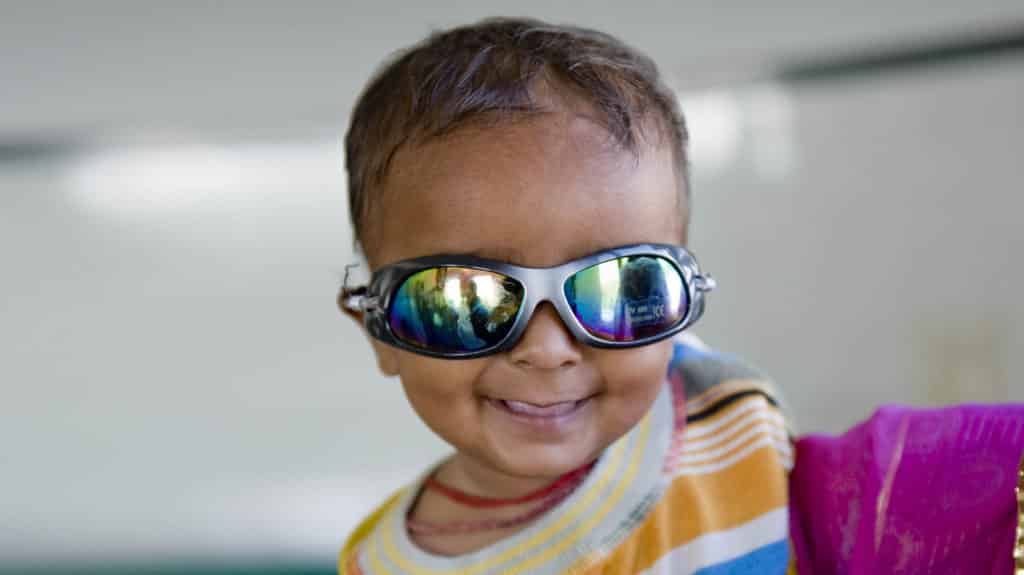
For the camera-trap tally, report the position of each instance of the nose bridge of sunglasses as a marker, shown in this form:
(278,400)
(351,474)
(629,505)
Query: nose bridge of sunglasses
(548,316)
(543,287)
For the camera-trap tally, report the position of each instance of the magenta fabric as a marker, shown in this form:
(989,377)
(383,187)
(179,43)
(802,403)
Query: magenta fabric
(910,491)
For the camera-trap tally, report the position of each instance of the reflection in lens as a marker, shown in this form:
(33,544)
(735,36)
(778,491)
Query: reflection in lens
(628,298)
(453,309)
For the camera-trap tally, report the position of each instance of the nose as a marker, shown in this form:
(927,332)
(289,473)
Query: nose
(547,343)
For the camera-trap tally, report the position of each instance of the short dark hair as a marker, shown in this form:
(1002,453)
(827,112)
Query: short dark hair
(487,71)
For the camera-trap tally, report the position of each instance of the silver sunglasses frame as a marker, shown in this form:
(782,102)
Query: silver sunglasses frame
(539,284)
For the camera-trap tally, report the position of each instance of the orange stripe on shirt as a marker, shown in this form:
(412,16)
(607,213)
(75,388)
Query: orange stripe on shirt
(745,408)
(696,505)
(350,567)
(733,431)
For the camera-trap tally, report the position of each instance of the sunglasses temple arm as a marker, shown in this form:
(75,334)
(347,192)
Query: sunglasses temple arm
(704,283)
(357,300)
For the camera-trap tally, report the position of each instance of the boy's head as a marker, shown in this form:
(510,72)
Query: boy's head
(533,144)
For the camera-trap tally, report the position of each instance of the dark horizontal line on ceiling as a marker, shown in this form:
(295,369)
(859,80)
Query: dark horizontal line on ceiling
(945,51)
(16,149)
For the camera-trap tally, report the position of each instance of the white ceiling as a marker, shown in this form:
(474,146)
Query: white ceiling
(259,70)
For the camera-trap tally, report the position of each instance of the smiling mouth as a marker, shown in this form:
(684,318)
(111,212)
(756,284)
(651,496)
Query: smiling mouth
(540,411)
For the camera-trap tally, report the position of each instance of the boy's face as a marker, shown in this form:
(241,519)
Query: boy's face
(534,193)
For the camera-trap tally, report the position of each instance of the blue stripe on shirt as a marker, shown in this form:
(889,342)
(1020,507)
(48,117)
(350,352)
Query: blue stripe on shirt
(772,558)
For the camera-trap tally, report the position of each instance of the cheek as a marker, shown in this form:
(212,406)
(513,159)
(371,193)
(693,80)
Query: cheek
(633,378)
(440,391)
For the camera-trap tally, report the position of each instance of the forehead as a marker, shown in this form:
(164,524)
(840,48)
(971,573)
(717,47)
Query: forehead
(536,192)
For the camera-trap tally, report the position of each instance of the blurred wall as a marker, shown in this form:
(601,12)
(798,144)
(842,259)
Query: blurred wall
(884,265)
(180,385)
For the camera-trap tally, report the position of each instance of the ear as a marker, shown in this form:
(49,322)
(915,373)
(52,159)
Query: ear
(387,356)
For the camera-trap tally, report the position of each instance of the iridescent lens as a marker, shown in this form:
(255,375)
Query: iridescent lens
(455,309)
(628,298)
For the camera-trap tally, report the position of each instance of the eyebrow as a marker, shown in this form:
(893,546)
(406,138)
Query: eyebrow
(512,256)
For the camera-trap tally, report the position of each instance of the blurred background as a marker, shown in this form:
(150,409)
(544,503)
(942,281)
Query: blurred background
(180,393)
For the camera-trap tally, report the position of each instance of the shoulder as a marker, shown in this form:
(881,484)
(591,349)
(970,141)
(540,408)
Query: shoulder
(347,564)
(703,370)
(730,410)
(724,503)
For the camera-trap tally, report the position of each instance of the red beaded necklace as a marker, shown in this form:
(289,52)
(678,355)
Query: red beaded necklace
(549,497)
(477,501)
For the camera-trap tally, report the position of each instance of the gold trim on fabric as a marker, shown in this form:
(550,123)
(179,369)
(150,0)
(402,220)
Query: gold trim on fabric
(1018,548)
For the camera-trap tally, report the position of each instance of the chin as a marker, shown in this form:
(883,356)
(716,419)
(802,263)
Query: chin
(546,462)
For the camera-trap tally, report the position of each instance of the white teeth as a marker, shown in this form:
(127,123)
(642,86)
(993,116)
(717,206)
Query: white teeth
(553,410)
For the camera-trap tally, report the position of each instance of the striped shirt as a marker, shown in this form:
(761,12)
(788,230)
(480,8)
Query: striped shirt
(698,486)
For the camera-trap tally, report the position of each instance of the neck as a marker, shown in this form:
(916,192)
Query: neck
(469,475)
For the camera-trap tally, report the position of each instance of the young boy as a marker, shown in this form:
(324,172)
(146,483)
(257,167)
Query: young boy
(587,438)
(520,192)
